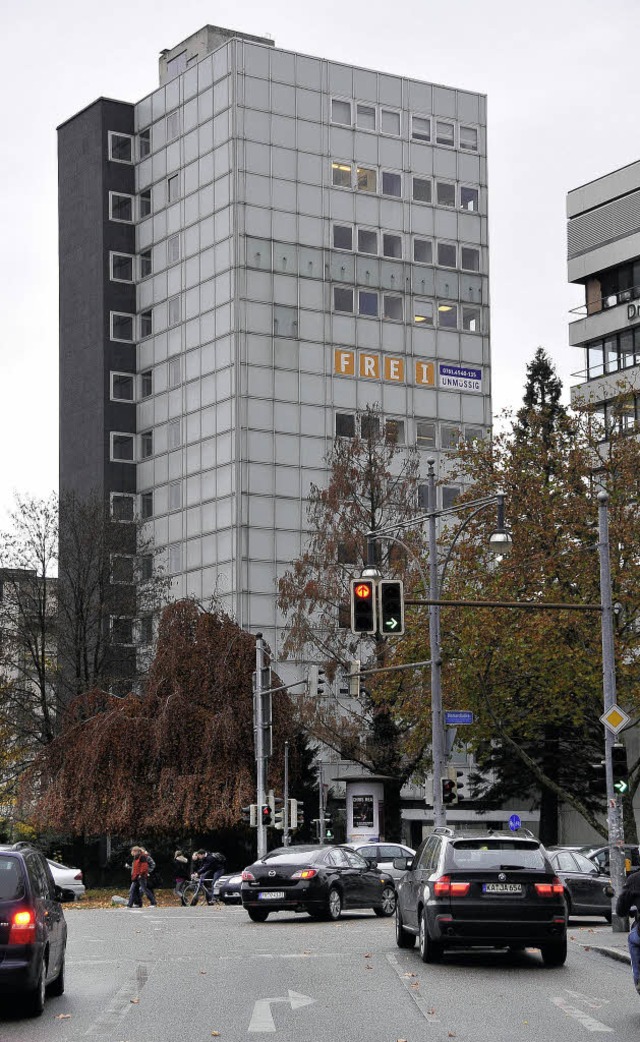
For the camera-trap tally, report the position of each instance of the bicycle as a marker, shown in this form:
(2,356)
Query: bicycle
(197,890)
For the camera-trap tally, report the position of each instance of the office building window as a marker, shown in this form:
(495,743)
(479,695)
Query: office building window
(445,193)
(391,184)
(393,307)
(426,434)
(392,245)
(173,310)
(120,147)
(342,299)
(173,249)
(469,258)
(146,444)
(146,324)
(366,179)
(121,207)
(175,495)
(122,327)
(420,128)
(367,241)
(146,505)
(122,387)
(345,425)
(367,303)
(121,506)
(471,319)
(144,143)
(177,65)
(366,117)
(394,431)
(468,198)
(447,315)
(174,372)
(175,557)
(341,112)
(173,125)
(174,438)
(390,122)
(342,237)
(173,188)
(145,264)
(421,190)
(122,447)
(469,138)
(423,313)
(146,629)
(121,267)
(285,320)
(450,493)
(146,567)
(146,383)
(445,133)
(121,569)
(449,436)
(121,630)
(447,254)
(423,497)
(144,203)
(423,251)
(472,434)
(369,426)
(341,175)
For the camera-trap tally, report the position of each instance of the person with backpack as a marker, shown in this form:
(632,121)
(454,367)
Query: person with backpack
(629,898)
(140,872)
(180,871)
(208,866)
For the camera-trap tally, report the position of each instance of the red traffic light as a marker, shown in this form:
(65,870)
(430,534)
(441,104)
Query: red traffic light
(362,591)
(363,606)
(266,814)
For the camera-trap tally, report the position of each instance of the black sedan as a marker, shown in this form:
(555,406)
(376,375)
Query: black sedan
(227,889)
(319,880)
(587,890)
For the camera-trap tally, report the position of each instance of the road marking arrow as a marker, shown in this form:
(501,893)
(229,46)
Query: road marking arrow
(262,1017)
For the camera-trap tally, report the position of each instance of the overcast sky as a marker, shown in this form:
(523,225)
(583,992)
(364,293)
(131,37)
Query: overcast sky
(562,85)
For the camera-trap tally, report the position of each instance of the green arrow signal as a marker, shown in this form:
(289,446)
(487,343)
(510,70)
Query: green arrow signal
(621,787)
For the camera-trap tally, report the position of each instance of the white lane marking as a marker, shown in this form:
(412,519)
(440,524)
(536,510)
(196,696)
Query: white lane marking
(121,1003)
(590,1001)
(585,1019)
(262,1017)
(425,1007)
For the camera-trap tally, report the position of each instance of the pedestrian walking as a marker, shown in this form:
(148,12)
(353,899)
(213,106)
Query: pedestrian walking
(180,871)
(139,878)
(628,899)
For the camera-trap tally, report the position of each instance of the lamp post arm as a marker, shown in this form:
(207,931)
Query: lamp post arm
(460,530)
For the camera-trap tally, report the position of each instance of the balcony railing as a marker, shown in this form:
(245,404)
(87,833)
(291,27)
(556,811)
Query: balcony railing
(595,307)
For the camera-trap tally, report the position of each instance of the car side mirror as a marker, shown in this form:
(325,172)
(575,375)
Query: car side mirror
(372,862)
(403,864)
(62,894)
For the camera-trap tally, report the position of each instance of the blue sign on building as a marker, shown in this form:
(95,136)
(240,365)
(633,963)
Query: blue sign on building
(514,822)
(458,716)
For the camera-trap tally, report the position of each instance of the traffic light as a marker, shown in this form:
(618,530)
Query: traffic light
(448,790)
(328,833)
(316,682)
(391,593)
(278,817)
(250,815)
(620,769)
(265,814)
(363,606)
(293,814)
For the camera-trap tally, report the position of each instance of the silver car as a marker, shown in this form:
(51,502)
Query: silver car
(383,854)
(67,878)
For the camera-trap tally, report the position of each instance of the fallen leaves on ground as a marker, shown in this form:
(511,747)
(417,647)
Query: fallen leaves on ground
(134,1001)
(62,1016)
(215,1034)
(409,974)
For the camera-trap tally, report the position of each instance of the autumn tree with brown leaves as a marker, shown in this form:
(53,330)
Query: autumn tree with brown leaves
(178,758)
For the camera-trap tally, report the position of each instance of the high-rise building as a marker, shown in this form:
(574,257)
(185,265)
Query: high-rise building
(263,246)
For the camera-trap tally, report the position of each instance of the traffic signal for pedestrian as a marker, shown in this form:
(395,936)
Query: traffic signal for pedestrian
(328,832)
(448,790)
(250,815)
(391,614)
(620,768)
(363,606)
(265,814)
(316,682)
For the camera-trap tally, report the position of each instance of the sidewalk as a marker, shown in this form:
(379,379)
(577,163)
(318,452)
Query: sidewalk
(600,939)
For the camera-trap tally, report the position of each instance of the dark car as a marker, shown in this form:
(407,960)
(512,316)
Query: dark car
(588,892)
(320,880)
(470,889)
(227,889)
(600,856)
(33,931)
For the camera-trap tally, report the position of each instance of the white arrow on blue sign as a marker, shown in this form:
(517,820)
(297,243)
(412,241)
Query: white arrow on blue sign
(514,822)
(458,716)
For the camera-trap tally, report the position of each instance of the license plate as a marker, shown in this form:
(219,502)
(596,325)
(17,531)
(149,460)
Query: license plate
(271,895)
(502,888)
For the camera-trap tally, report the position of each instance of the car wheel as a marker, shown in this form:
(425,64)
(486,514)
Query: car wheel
(404,939)
(554,954)
(387,904)
(34,999)
(607,916)
(334,904)
(430,950)
(258,915)
(57,984)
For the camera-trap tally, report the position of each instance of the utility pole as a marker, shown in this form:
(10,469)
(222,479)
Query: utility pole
(261,762)
(615,827)
(285,808)
(437,735)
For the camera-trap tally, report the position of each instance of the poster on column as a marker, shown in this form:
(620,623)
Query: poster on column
(363,812)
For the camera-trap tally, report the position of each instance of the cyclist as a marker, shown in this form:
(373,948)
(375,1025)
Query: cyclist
(627,899)
(208,866)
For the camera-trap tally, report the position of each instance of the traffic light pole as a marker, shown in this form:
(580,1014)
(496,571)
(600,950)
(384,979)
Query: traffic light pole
(438,754)
(285,806)
(615,827)
(261,762)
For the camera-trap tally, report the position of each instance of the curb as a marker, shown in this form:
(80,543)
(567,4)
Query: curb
(610,953)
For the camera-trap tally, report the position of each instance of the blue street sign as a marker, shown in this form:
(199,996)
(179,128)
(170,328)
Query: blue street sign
(514,822)
(458,716)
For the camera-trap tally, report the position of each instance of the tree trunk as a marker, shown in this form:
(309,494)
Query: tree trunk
(392,811)
(548,817)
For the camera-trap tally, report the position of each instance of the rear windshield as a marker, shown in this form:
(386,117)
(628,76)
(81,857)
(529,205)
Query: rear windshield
(291,857)
(11,885)
(496,854)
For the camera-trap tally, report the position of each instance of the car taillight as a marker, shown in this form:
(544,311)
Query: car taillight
(246,875)
(552,889)
(305,873)
(78,876)
(443,887)
(23,928)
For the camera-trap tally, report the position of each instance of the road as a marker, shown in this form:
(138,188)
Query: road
(182,974)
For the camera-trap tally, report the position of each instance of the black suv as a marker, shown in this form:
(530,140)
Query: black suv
(33,931)
(470,889)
